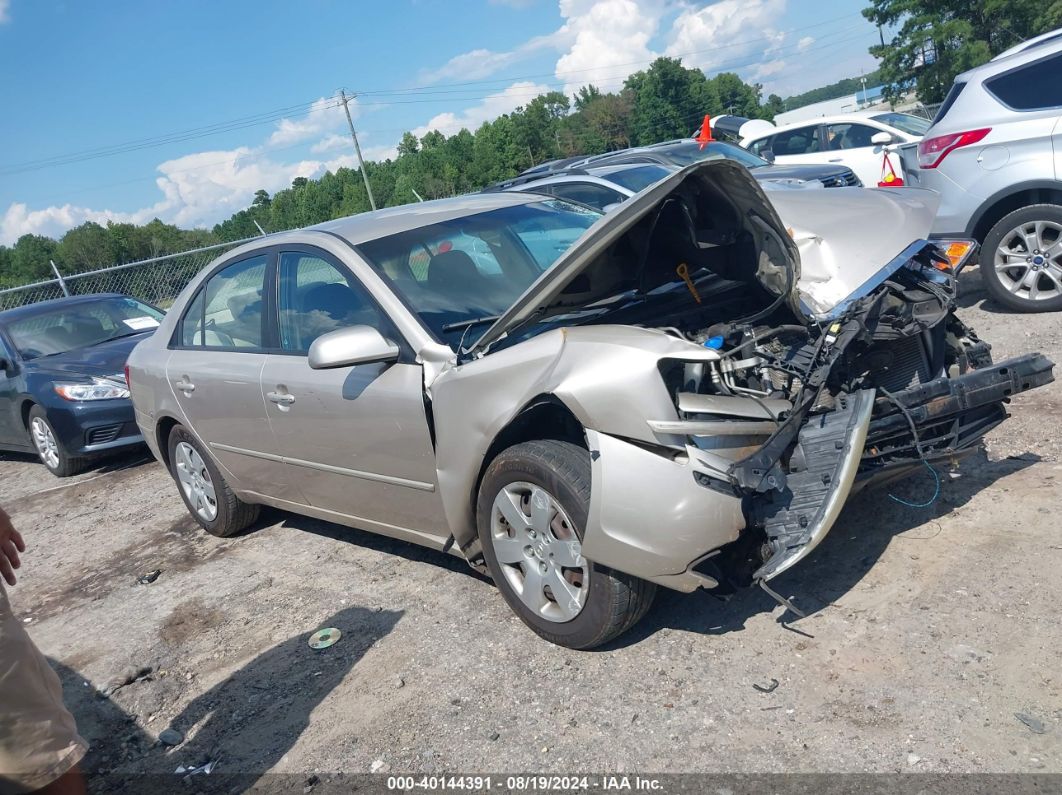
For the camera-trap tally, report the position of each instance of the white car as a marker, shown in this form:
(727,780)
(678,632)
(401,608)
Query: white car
(856,140)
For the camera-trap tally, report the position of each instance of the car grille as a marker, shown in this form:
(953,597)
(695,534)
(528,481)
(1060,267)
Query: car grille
(846,180)
(103,434)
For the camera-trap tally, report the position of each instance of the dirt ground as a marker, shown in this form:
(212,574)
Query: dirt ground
(930,631)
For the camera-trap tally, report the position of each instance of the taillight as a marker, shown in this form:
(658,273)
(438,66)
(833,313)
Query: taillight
(932,151)
(128,384)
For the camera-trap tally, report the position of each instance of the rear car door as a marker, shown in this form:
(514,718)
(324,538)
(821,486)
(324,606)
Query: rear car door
(215,367)
(355,439)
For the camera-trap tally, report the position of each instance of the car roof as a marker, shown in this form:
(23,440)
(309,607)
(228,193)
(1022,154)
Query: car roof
(835,118)
(395,220)
(29,310)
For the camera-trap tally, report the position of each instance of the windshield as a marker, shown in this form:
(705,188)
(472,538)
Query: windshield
(68,327)
(459,275)
(636,178)
(905,122)
(686,153)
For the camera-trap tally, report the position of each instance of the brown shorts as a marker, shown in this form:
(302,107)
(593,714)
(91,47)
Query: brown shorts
(38,739)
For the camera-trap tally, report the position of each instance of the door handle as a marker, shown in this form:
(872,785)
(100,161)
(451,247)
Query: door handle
(185,386)
(835,160)
(281,398)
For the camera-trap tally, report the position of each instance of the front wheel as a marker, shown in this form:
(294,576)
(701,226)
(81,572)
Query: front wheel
(531,515)
(1021,259)
(49,447)
(204,489)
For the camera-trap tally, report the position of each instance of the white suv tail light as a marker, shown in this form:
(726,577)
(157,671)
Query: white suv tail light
(932,151)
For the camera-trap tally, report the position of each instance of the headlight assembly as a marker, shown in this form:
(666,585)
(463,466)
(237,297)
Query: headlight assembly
(99,389)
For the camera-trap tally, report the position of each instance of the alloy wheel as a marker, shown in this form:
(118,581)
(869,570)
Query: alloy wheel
(195,481)
(44,441)
(539,552)
(1028,260)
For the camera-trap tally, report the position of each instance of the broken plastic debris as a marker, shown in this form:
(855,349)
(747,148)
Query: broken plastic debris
(191,771)
(767,688)
(149,577)
(1036,726)
(323,638)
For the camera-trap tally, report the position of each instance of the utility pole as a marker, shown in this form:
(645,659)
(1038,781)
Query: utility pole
(357,149)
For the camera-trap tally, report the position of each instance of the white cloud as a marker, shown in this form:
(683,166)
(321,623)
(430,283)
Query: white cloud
(767,69)
(54,221)
(709,37)
(493,106)
(331,143)
(480,63)
(325,114)
(5,8)
(804,43)
(610,39)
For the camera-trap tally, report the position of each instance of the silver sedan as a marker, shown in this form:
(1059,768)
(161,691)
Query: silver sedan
(682,393)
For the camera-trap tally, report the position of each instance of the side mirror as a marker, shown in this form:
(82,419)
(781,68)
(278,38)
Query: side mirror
(768,155)
(352,345)
(881,138)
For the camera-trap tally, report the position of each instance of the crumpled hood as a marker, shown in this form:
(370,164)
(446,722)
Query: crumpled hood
(818,247)
(848,237)
(723,178)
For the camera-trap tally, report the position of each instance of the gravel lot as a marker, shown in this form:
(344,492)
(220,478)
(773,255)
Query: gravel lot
(930,630)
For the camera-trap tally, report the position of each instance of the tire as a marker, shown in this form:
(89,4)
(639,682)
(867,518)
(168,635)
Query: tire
(609,602)
(1006,285)
(50,448)
(223,514)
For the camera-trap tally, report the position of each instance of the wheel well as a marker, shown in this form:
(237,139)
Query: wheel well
(27,407)
(162,437)
(545,417)
(1009,204)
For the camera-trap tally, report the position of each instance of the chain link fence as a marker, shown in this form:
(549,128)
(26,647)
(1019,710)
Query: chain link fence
(157,280)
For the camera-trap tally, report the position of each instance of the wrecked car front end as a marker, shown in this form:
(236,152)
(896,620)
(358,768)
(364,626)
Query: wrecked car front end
(735,377)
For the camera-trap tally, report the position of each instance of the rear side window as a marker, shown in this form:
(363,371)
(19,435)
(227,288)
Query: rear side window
(796,142)
(596,196)
(227,312)
(1035,86)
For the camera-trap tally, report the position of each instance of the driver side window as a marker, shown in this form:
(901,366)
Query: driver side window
(316,297)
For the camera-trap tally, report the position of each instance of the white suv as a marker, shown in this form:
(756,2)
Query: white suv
(994,153)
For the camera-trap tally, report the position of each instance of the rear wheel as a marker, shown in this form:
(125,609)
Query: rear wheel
(1021,260)
(50,450)
(203,488)
(531,514)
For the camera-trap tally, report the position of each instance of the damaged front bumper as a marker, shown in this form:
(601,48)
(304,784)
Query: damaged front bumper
(870,438)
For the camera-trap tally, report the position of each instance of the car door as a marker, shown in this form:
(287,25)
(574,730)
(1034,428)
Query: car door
(11,431)
(214,370)
(802,145)
(355,439)
(849,144)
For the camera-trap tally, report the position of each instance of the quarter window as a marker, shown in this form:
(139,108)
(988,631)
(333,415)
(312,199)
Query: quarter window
(1035,86)
(316,297)
(227,312)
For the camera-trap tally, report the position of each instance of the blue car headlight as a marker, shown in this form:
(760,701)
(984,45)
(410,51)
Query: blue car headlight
(99,389)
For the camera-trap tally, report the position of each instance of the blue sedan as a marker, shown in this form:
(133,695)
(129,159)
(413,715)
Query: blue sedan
(63,393)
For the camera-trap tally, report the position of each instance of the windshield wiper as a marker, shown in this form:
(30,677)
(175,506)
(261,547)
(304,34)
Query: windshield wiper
(477,321)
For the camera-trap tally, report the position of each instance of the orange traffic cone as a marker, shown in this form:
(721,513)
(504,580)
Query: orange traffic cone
(705,135)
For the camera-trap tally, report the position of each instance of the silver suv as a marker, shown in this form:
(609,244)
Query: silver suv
(994,153)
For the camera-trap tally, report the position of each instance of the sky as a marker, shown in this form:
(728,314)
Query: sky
(128,111)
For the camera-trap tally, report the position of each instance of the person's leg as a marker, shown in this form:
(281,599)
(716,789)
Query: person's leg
(39,743)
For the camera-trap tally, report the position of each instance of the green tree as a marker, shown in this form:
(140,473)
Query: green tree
(938,39)
(669,100)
